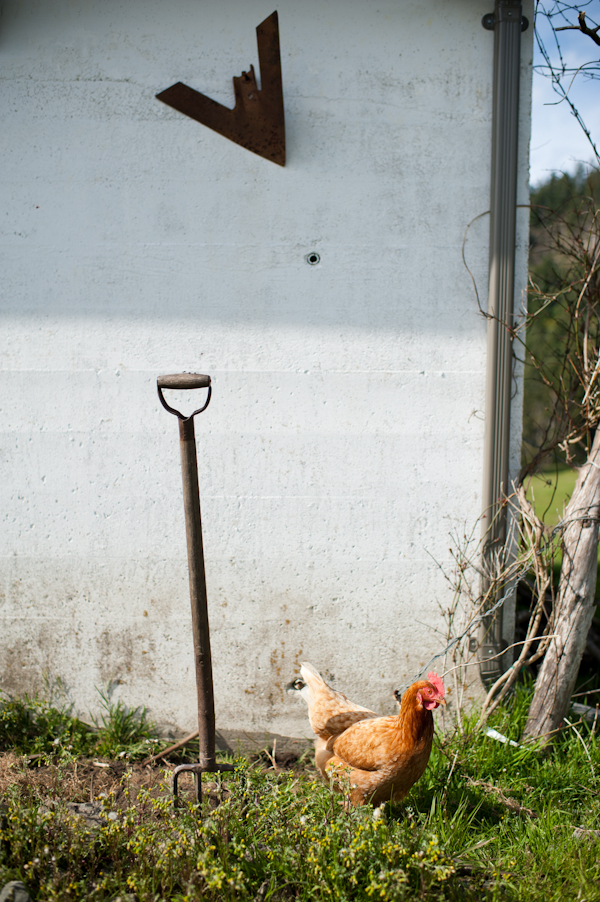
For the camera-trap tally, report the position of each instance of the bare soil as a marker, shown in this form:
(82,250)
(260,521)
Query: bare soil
(90,780)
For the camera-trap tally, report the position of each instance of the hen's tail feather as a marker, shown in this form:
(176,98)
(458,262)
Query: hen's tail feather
(312,681)
(310,673)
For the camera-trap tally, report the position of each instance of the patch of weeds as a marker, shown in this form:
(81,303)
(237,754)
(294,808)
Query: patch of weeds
(290,837)
(280,836)
(32,726)
(46,729)
(122,730)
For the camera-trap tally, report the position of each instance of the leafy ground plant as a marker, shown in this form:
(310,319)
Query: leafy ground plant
(488,821)
(122,730)
(38,727)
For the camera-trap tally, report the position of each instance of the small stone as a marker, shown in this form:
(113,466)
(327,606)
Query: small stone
(581,833)
(15,891)
(262,891)
(89,812)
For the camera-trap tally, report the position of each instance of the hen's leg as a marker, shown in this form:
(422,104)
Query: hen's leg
(322,757)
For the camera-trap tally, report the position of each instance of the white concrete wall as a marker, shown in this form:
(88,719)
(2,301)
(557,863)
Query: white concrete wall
(344,441)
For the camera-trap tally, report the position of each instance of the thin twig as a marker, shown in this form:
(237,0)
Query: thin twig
(507,801)
(272,757)
(493,657)
(445,793)
(172,748)
(583,27)
(587,691)
(585,748)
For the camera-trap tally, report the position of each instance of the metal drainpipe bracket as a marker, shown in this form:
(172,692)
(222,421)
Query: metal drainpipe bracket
(489,20)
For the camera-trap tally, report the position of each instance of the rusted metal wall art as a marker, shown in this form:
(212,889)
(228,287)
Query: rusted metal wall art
(257,119)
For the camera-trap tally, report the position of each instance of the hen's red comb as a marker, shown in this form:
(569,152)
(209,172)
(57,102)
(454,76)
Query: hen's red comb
(436,681)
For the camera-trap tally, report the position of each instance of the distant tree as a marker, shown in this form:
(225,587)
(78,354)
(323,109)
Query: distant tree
(557,206)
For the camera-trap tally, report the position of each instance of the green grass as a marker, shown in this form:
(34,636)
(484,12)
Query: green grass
(286,836)
(122,731)
(34,726)
(550,492)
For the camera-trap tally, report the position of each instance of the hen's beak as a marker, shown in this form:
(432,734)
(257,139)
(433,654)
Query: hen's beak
(441,701)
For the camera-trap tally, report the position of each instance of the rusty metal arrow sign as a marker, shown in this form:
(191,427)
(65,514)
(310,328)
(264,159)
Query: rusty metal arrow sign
(257,120)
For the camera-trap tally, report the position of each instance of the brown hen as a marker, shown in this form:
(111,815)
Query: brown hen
(380,759)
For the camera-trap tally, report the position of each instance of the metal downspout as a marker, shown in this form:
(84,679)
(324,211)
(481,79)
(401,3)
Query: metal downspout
(506,22)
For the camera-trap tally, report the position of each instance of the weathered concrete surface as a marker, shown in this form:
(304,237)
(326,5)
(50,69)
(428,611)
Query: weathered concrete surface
(344,442)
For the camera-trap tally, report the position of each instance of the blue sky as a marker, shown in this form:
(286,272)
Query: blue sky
(557,140)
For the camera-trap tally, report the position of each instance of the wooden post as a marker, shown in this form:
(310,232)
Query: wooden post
(575,603)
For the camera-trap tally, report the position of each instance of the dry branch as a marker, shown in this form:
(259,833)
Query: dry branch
(172,748)
(583,27)
(507,801)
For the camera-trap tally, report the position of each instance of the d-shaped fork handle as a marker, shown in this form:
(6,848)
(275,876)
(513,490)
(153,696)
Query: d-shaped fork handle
(185,381)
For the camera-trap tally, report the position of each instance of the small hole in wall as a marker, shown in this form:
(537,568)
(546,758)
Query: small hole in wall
(313,258)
